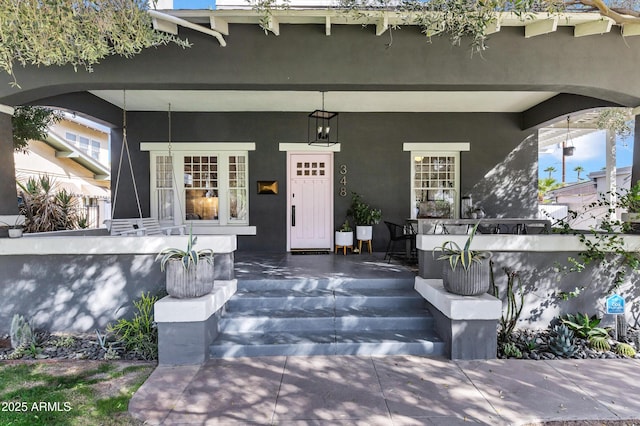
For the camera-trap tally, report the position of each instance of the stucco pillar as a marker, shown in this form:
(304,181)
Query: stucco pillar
(635,168)
(8,193)
(610,174)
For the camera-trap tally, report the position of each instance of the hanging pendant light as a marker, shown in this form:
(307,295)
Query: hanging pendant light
(567,146)
(322,127)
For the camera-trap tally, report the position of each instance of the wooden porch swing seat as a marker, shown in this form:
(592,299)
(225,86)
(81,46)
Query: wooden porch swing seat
(141,226)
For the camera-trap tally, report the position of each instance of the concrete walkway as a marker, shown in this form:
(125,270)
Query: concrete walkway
(391,390)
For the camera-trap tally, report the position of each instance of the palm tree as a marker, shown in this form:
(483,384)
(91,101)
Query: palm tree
(550,170)
(545,185)
(579,169)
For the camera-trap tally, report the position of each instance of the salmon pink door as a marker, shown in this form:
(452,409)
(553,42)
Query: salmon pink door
(310,201)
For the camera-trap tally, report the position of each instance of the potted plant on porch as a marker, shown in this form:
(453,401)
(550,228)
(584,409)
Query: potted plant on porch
(189,272)
(364,217)
(15,230)
(344,237)
(467,271)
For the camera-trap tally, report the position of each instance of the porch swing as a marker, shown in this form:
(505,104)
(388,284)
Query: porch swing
(141,225)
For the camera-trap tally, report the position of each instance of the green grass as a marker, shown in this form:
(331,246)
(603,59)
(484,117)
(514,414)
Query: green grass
(45,394)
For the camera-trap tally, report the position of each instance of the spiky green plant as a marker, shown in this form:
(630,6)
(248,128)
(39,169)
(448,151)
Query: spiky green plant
(451,251)
(510,350)
(21,333)
(625,349)
(187,257)
(599,343)
(46,207)
(585,326)
(138,334)
(561,341)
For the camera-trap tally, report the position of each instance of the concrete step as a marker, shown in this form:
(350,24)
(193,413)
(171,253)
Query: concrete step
(344,319)
(341,316)
(322,298)
(343,283)
(408,342)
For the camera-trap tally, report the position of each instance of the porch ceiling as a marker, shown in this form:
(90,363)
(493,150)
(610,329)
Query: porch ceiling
(581,124)
(339,101)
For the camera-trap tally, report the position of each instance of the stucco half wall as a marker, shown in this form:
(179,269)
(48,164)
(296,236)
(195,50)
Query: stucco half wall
(81,283)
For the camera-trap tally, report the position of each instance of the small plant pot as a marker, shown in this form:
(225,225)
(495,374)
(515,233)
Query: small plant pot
(184,283)
(15,232)
(344,239)
(471,282)
(364,233)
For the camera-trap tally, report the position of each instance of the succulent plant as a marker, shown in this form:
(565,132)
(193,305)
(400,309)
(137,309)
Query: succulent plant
(625,349)
(561,341)
(599,343)
(510,350)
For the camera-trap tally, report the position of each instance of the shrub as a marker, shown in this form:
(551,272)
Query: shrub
(139,334)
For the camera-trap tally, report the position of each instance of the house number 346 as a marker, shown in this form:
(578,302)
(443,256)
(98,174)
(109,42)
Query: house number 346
(343,180)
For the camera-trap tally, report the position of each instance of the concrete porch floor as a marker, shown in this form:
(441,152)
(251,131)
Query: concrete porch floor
(392,390)
(252,266)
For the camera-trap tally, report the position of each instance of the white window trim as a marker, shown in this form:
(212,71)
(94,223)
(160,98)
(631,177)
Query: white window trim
(436,146)
(179,150)
(305,147)
(196,146)
(451,149)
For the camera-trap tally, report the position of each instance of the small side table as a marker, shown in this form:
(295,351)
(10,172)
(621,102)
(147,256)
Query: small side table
(360,245)
(344,249)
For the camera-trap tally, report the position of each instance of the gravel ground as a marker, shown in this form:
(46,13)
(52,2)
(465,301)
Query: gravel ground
(68,346)
(534,344)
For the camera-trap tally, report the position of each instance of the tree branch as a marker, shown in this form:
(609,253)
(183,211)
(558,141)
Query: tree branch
(620,16)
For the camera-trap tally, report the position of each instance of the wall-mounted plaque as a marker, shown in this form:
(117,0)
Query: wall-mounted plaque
(267,187)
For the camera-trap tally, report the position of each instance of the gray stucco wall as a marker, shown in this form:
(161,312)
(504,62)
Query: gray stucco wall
(500,171)
(543,280)
(81,293)
(303,58)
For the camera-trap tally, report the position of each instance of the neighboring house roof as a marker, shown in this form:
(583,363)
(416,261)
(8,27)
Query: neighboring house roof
(620,171)
(65,150)
(588,186)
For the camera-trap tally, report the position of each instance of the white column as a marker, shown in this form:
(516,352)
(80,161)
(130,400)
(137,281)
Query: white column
(610,174)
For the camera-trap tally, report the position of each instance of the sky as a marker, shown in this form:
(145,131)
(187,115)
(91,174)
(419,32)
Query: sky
(589,153)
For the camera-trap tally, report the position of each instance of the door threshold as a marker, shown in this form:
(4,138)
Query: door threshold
(310,251)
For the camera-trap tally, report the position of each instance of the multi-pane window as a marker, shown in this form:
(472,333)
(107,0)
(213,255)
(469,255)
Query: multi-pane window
(165,201)
(435,184)
(84,144)
(95,149)
(238,188)
(201,187)
(210,187)
(71,137)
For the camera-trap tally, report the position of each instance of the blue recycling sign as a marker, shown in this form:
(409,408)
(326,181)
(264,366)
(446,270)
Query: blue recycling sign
(615,305)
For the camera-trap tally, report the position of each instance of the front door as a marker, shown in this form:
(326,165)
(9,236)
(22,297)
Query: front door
(310,203)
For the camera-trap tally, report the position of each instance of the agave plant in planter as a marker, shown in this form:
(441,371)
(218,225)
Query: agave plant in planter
(466,271)
(15,230)
(189,272)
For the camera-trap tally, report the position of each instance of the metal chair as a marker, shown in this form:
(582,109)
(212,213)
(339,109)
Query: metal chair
(398,234)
